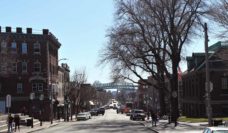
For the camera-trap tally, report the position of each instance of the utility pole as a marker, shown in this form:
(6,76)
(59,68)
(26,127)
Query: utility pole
(207,84)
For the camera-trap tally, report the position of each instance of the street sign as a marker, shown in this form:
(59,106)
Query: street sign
(174,94)
(8,101)
(210,86)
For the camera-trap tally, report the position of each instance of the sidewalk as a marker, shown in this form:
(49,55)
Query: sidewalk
(37,127)
(163,126)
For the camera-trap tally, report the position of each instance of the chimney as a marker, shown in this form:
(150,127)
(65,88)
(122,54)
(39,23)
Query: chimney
(8,29)
(29,30)
(19,30)
(45,31)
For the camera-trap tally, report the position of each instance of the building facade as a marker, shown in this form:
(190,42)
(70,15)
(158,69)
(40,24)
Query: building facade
(29,70)
(193,83)
(63,108)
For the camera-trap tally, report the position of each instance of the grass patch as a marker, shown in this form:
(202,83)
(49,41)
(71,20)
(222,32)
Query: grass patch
(195,120)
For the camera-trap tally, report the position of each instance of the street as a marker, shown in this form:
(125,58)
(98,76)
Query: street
(109,123)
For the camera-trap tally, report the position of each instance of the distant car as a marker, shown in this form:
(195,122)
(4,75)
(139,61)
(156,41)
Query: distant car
(94,112)
(83,116)
(114,107)
(121,109)
(137,114)
(128,112)
(215,130)
(101,111)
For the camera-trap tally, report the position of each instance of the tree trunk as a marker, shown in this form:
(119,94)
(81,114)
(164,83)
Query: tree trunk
(162,100)
(174,93)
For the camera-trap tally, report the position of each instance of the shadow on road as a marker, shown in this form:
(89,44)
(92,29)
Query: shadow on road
(112,126)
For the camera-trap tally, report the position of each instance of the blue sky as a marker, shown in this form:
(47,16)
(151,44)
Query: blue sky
(80,26)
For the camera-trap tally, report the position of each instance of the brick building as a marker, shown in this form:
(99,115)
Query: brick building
(63,108)
(28,67)
(193,82)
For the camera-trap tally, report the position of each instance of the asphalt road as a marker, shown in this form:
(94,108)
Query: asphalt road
(109,123)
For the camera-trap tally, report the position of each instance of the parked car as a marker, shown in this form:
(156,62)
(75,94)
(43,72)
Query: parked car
(137,114)
(215,130)
(101,111)
(94,112)
(83,116)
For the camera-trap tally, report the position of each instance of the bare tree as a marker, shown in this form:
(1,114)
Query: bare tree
(87,94)
(121,97)
(219,13)
(103,97)
(148,38)
(78,78)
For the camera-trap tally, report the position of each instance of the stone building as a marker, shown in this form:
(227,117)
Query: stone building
(28,70)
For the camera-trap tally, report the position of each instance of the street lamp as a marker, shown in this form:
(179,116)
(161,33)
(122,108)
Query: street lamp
(62,59)
(32,96)
(41,108)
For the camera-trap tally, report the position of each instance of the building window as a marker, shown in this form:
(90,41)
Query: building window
(3,47)
(24,48)
(24,66)
(40,87)
(14,67)
(19,88)
(36,48)
(224,83)
(34,87)
(3,67)
(37,87)
(37,67)
(13,47)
